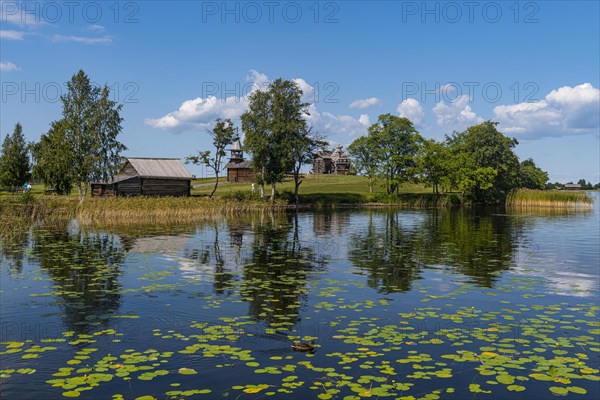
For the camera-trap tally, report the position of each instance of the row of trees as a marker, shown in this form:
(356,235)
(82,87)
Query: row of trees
(585,185)
(79,148)
(479,163)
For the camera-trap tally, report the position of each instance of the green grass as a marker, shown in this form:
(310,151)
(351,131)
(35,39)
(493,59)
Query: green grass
(525,198)
(313,184)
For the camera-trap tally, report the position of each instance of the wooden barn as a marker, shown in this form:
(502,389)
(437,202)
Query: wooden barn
(147,177)
(239,169)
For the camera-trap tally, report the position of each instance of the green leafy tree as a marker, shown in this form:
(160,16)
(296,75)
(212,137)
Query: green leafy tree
(585,185)
(488,148)
(531,176)
(273,124)
(15,167)
(553,186)
(466,177)
(54,159)
(303,147)
(363,159)
(222,135)
(396,144)
(92,124)
(434,163)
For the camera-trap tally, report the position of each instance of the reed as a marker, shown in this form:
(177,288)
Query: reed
(164,210)
(526,198)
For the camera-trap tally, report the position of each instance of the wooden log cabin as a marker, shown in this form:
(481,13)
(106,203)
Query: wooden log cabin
(147,177)
(239,170)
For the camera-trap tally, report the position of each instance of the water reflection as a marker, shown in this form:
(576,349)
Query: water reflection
(267,258)
(394,247)
(85,268)
(387,252)
(276,268)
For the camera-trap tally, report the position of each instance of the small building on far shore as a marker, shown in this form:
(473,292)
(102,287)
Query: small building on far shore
(331,162)
(239,170)
(572,186)
(147,177)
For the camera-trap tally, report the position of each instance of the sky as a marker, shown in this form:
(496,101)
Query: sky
(176,66)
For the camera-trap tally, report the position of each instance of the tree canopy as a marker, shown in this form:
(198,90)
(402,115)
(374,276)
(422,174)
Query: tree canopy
(222,135)
(15,167)
(92,123)
(274,127)
(390,151)
(54,159)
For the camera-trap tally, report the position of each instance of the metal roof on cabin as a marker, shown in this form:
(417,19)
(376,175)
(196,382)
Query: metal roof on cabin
(158,168)
(240,165)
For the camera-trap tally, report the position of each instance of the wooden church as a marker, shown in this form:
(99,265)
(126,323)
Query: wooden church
(239,170)
(331,162)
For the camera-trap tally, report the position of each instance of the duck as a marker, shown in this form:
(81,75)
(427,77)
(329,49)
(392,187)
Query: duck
(310,346)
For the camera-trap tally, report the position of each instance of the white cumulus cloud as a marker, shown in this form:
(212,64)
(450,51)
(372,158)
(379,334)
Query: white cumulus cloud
(8,67)
(81,39)
(564,111)
(11,35)
(457,115)
(200,113)
(365,103)
(364,119)
(411,109)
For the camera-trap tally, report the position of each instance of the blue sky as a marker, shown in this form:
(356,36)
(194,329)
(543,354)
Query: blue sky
(177,66)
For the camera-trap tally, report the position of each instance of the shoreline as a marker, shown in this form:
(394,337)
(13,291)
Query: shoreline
(160,209)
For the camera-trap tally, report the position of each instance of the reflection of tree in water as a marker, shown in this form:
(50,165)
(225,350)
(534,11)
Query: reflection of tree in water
(327,222)
(212,253)
(478,243)
(85,267)
(12,250)
(276,270)
(387,252)
(475,242)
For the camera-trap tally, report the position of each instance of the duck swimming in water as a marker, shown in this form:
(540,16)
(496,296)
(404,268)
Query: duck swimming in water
(310,346)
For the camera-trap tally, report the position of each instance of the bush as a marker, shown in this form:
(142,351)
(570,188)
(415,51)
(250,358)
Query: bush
(27,197)
(239,195)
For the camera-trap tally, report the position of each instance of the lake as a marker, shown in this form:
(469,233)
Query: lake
(449,304)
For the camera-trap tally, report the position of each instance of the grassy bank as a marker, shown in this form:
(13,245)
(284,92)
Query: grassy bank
(312,184)
(525,198)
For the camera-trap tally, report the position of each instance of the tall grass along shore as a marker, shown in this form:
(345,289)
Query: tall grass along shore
(164,210)
(525,198)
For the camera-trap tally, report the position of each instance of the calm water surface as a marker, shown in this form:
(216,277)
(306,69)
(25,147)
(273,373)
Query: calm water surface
(402,304)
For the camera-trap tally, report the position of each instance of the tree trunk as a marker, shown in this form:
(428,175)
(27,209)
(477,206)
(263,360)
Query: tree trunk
(216,184)
(272,192)
(297,183)
(371,184)
(297,186)
(80,191)
(262,184)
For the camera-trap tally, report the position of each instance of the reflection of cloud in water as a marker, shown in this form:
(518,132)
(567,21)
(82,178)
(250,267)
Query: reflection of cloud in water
(573,284)
(192,270)
(165,245)
(563,283)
